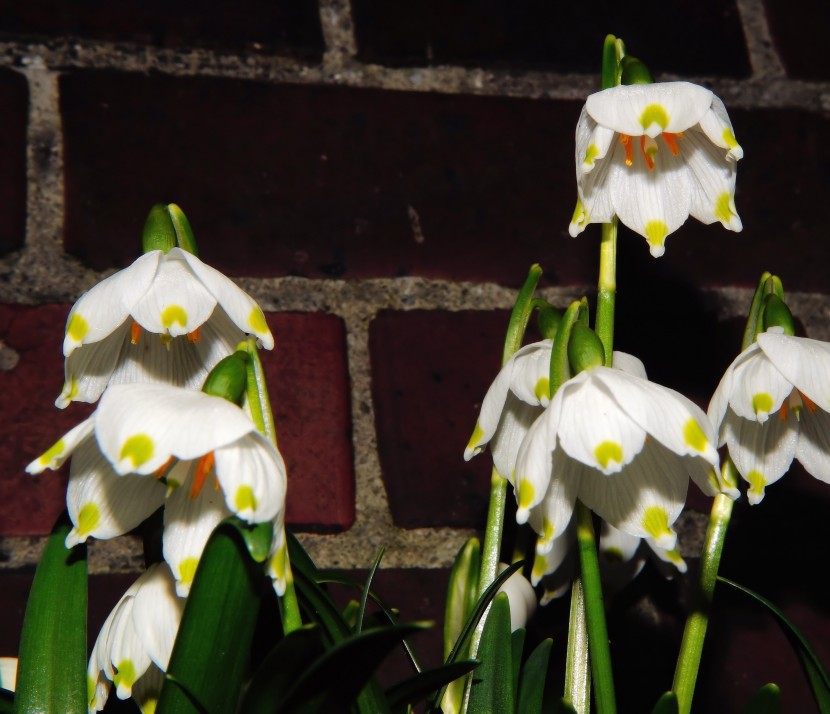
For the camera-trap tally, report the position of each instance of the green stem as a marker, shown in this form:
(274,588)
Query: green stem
(577,670)
(289,606)
(607,288)
(691,648)
(595,612)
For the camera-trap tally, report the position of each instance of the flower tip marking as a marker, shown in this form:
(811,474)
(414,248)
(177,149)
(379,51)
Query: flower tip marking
(609,456)
(655,233)
(136,451)
(762,406)
(656,523)
(757,487)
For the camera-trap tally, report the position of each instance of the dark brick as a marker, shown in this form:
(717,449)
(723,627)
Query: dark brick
(14,107)
(799,30)
(319,181)
(284,26)
(309,386)
(430,371)
(566,37)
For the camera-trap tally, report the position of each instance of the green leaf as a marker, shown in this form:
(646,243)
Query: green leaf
(336,679)
(767,700)
(563,706)
(517,645)
(51,670)
(461,591)
(813,668)
(667,704)
(210,656)
(6,701)
(364,596)
(533,679)
(492,688)
(420,686)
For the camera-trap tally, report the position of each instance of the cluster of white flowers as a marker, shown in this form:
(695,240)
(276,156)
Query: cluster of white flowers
(144,340)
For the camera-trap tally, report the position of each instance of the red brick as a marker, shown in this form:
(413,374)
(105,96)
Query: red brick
(14,107)
(311,412)
(799,31)
(566,37)
(284,26)
(309,386)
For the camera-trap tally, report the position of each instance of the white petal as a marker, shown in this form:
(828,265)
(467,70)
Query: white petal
(139,426)
(629,364)
(520,596)
(107,305)
(88,369)
(716,125)
(55,456)
(762,453)
(157,612)
(594,430)
(804,362)
(638,109)
(616,545)
(147,690)
(759,389)
(533,465)
(592,143)
(713,181)
(516,420)
(277,558)
(813,447)
(252,475)
(125,650)
(550,518)
(103,504)
(240,307)
(176,302)
(595,204)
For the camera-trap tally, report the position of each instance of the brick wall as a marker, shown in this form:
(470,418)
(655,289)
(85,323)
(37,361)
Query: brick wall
(380,175)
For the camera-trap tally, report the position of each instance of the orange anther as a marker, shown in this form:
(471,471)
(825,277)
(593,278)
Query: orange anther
(671,142)
(135,333)
(204,466)
(809,403)
(195,336)
(784,412)
(161,471)
(648,155)
(625,140)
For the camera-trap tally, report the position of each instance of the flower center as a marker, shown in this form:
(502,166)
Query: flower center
(648,147)
(204,467)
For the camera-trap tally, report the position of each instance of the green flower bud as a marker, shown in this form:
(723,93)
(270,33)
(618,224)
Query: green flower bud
(229,378)
(548,319)
(184,233)
(585,349)
(167,227)
(634,71)
(775,313)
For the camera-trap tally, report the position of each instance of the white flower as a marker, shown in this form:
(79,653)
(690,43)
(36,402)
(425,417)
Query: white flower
(520,596)
(622,445)
(199,315)
(213,460)
(653,154)
(134,645)
(773,405)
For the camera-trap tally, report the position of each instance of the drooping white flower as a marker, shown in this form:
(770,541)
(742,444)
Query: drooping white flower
(520,596)
(197,314)
(134,645)
(773,405)
(653,154)
(213,460)
(622,445)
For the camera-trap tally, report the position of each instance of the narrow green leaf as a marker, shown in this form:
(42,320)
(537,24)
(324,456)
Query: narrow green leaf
(767,700)
(667,704)
(420,686)
(364,596)
(517,645)
(461,591)
(563,706)
(492,688)
(533,679)
(336,679)
(51,670)
(281,669)
(814,670)
(210,656)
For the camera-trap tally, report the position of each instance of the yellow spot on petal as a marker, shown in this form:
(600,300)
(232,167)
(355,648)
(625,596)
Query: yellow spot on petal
(475,439)
(526,494)
(656,232)
(612,555)
(656,522)
(138,448)
(148,706)
(539,566)
(729,138)
(125,676)
(590,154)
(694,437)
(542,389)
(580,218)
(173,313)
(654,114)
(762,403)
(278,564)
(90,688)
(607,452)
(723,208)
(51,456)
(257,321)
(245,499)
(77,328)
(757,484)
(547,529)
(89,517)
(187,570)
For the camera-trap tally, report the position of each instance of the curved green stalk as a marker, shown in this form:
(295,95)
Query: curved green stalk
(607,288)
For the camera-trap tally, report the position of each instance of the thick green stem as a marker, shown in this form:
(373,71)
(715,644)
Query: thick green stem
(577,666)
(607,288)
(691,648)
(595,612)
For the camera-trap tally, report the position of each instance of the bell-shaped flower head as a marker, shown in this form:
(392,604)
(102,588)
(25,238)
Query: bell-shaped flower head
(653,154)
(196,316)
(773,405)
(133,648)
(622,445)
(151,445)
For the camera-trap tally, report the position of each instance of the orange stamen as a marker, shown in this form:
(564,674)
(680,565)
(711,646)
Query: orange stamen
(784,412)
(195,336)
(161,471)
(203,468)
(646,155)
(671,142)
(809,403)
(135,333)
(625,140)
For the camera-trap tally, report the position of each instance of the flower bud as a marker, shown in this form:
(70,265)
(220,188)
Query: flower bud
(775,313)
(228,378)
(167,227)
(585,349)
(548,319)
(634,71)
